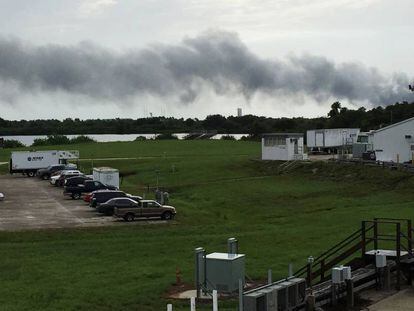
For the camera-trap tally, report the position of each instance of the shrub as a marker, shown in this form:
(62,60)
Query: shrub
(12,143)
(166,136)
(227,137)
(140,138)
(81,139)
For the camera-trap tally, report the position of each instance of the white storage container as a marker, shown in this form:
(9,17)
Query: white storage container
(106,175)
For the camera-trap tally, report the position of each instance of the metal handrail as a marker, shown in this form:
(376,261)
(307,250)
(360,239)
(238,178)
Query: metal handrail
(318,260)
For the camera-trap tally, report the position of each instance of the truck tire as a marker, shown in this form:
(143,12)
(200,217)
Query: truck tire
(76,196)
(129,217)
(167,216)
(45,177)
(31,173)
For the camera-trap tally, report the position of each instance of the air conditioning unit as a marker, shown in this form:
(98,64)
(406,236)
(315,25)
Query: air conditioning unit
(292,293)
(300,289)
(255,301)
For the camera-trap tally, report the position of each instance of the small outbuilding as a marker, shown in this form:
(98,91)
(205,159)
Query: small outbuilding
(283,146)
(106,175)
(394,143)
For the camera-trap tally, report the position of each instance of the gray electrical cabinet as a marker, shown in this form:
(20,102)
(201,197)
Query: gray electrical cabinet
(224,270)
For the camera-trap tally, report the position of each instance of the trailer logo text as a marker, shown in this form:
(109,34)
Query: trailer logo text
(34,159)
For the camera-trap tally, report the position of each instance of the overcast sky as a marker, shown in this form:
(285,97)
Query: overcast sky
(133,58)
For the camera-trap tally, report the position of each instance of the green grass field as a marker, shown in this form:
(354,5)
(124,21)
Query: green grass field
(220,190)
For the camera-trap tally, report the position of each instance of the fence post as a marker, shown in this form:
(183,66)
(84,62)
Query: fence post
(215,304)
(398,255)
(410,237)
(269,276)
(193,304)
(240,295)
(169,307)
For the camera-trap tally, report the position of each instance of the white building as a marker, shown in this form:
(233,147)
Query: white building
(395,142)
(331,138)
(283,146)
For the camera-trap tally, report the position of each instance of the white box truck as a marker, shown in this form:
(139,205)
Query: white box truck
(106,175)
(28,162)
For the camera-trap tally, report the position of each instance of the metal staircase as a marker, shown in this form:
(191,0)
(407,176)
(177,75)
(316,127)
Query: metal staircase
(358,250)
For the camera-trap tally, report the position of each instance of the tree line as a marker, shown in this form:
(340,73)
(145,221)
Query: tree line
(337,117)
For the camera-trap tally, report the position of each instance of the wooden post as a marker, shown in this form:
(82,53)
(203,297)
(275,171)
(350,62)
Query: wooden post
(349,293)
(387,277)
(309,274)
(410,237)
(363,247)
(334,293)
(322,269)
(398,255)
(310,302)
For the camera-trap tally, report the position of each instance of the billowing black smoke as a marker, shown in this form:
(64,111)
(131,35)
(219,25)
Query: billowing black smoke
(218,60)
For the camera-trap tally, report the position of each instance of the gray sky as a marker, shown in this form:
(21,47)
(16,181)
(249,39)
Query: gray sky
(130,58)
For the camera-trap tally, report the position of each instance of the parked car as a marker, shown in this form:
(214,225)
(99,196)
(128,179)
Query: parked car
(76,180)
(58,179)
(129,210)
(68,174)
(88,186)
(104,196)
(45,173)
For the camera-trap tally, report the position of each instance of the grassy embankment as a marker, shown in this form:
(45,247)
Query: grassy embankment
(219,192)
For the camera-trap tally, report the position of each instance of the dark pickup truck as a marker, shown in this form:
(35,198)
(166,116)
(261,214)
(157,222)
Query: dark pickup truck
(88,186)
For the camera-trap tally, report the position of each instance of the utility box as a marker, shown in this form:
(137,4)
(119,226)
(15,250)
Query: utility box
(106,175)
(223,271)
(380,260)
(346,270)
(337,275)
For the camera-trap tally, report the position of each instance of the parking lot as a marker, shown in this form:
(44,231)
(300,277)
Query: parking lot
(31,203)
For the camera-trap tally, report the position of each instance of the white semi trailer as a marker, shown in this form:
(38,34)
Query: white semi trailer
(323,139)
(28,162)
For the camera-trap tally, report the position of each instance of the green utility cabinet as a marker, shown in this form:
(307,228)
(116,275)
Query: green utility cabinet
(224,271)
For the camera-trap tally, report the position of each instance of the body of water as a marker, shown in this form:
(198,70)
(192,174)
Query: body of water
(28,140)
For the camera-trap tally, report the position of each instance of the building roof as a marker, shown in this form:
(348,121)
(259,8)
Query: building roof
(284,134)
(392,125)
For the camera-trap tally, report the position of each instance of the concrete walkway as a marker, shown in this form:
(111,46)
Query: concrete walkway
(402,301)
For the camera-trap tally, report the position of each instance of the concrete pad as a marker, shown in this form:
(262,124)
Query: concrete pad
(401,301)
(31,203)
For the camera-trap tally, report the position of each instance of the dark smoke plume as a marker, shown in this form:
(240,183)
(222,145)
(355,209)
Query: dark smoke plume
(215,59)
